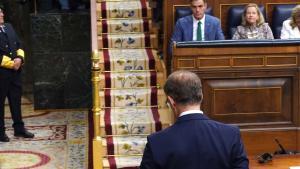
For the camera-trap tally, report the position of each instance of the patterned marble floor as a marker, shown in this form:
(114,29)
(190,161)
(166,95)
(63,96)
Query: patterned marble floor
(61,141)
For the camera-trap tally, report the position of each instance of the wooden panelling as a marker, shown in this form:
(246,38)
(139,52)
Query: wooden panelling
(281,60)
(248,100)
(220,10)
(258,142)
(186,63)
(214,62)
(254,87)
(239,57)
(248,61)
(298,139)
(251,51)
(278,162)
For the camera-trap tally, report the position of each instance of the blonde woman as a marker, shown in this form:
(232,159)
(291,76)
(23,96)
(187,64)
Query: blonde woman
(291,26)
(253,25)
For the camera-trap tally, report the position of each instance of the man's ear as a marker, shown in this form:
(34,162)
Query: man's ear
(171,101)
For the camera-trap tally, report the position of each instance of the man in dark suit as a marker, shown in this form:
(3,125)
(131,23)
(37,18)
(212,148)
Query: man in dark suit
(194,141)
(197,26)
(11,60)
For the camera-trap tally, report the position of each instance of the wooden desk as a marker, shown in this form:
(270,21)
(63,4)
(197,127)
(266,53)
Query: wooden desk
(278,162)
(252,84)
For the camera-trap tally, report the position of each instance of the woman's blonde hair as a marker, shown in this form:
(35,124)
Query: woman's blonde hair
(295,12)
(261,18)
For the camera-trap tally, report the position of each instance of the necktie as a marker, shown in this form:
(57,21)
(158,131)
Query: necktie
(199,32)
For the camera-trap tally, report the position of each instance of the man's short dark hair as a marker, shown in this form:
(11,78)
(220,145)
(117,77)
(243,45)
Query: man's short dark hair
(184,87)
(205,1)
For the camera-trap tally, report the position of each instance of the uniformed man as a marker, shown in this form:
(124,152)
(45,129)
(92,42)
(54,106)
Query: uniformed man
(11,61)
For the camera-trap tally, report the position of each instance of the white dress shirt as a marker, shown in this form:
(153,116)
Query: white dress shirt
(287,32)
(195,27)
(190,112)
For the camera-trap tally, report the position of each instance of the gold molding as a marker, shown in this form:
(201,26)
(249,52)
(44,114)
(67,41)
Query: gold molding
(95,60)
(293,57)
(97,153)
(95,94)
(248,57)
(214,58)
(194,63)
(232,60)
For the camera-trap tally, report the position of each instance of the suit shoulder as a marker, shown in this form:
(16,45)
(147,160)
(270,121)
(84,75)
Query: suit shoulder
(8,25)
(161,133)
(185,19)
(212,18)
(227,127)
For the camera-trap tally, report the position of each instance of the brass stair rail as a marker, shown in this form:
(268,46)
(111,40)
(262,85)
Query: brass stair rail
(95,70)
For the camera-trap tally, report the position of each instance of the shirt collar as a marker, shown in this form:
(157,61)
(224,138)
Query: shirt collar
(190,112)
(202,20)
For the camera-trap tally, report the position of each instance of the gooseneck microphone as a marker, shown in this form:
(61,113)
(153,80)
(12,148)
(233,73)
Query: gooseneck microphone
(282,150)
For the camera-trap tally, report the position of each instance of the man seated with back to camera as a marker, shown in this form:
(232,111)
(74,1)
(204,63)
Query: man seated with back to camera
(194,141)
(253,25)
(198,26)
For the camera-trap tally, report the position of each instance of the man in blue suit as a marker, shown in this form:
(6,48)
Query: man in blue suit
(186,28)
(194,141)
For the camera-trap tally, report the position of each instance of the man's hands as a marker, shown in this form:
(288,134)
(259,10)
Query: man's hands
(8,63)
(17,63)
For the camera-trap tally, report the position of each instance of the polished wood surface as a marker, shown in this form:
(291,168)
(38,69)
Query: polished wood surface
(278,162)
(220,9)
(260,140)
(254,87)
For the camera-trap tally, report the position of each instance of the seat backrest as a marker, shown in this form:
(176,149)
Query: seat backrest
(235,18)
(186,10)
(281,12)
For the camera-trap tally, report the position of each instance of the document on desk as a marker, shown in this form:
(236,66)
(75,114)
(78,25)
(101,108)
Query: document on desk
(295,167)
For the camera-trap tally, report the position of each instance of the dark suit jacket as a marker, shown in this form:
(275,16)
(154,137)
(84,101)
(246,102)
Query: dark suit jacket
(195,142)
(13,40)
(9,44)
(184,29)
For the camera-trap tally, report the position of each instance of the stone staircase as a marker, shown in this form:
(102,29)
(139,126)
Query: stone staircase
(128,77)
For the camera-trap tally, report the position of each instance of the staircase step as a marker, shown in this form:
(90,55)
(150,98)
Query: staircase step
(132,97)
(118,80)
(124,145)
(134,121)
(123,9)
(129,40)
(129,59)
(125,162)
(123,26)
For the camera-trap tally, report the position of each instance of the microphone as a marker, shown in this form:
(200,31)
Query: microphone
(282,150)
